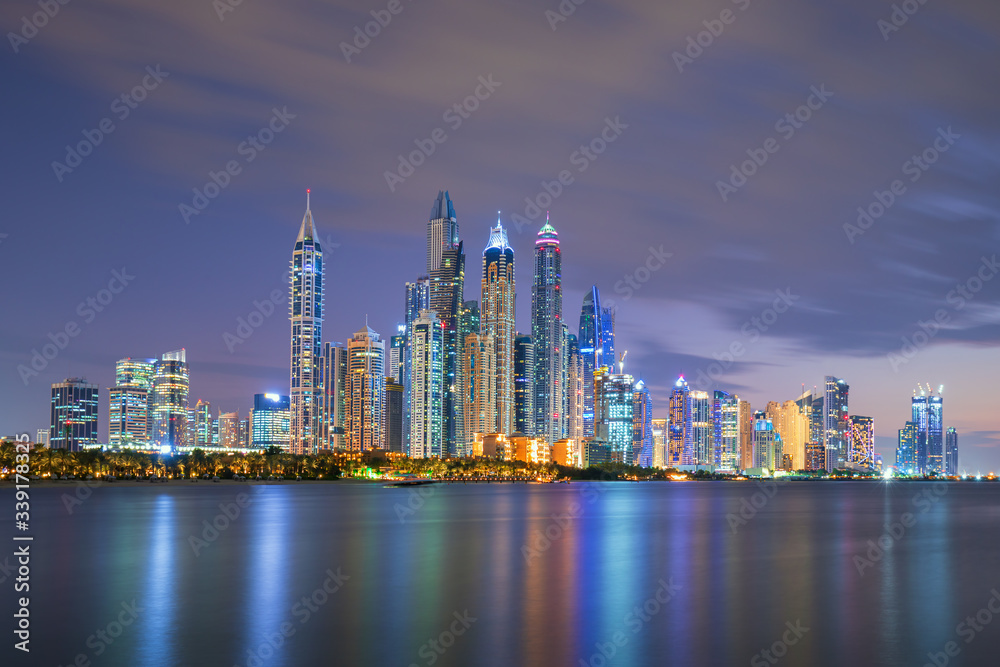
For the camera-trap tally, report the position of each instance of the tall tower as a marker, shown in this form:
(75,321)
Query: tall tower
(927,408)
(861,441)
(498,321)
(547,335)
(726,429)
(426,392)
(333,397)
(574,389)
(680,437)
(306,314)
(129,418)
(835,422)
(447,284)
(418,298)
(642,425)
(365,392)
(442,230)
(590,352)
(613,413)
(73,412)
(524,385)
(951,452)
(170,400)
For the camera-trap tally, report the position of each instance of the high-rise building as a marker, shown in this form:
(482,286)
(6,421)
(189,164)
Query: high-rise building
(270,421)
(333,397)
(244,433)
(951,452)
(306,315)
(766,443)
(927,409)
(498,320)
(547,336)
(203,424)
(835,422)
(659,427)
(613,413)
(427,390)
(792,424)
(365,392)
(447,283)
(394,416)
(129,402)
(418,298)
(397,350)
(861,442)
(442,230)
(169,404)
(229,430)
(702,447)
(478,388)
(468,323)
(746,435)
(524,385)
(642,425)
(680,449)
(574,389)
(597,348)
(73,414)
(726,430)
(906,449)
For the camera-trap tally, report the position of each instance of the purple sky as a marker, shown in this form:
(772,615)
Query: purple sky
(894,93)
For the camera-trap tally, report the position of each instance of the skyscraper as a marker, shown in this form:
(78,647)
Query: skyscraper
(203,424)
(597,348)
(418,298)
(498,321)
(73,414)
(442,230)
(229,430)
(906,449)
(394,364)
(574,389)
(524,385)
(547,335)
(613,413)
(642,425)
(793,426)
(478,398)
(701,428)
(333,397)
(426,392)
(394,416)
(306,315)
(447,284)
(766,443)
(679,437)
(927,409)
(169,404)
(951,452)
(270,423)
(746,435)
(835,422)
(468,323)
(364,395)
(130,422)
(726,429)
(861,442)
(659,443)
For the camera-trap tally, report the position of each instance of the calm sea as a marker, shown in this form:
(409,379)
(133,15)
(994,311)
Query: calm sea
(579,574)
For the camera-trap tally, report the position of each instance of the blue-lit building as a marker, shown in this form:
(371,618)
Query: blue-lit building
(726,430)
(73,414)
(169,402)
(642,425)
(270,421)
(613,413)
(906,449)
(951,452)
(306,314)
(597,348)
(927,409)
(547,335)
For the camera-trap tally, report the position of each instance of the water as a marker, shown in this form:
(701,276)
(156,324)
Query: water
(410,567)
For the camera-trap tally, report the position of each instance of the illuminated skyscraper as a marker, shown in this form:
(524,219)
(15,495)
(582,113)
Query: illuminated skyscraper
(680,441)
(642,425)
(73,414)
(659,442)
(766,443)
(726,430)
(442,230)
(906,449)
(203,424)
(447,284)
(835,422)
(574,389)
(597,348)
(478,396)
(746,435)
(393,416)
(426,393)
(701,428)
(927,408)
(951,452)
(333,397)
(861,442)
(306,315)
(793,426)
(169,403)
(468,323)
(613,413)
(229,430)
(418,298)
(364,395)
(129,418)
(547,336)
(270,423)
(524,385)
(498,321)
(396,354)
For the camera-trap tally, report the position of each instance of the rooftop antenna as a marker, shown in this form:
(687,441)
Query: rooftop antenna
(307,198)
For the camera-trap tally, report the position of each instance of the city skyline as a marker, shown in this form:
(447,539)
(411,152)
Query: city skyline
(854,298)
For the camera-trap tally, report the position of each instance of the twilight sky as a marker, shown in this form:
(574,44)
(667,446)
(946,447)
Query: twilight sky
(879,98)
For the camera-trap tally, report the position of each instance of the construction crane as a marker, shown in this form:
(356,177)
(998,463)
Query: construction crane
(621,362)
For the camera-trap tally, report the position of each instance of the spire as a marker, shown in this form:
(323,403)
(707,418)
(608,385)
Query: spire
(308,229)
(547,233)
(498,237)
(443,206)
(307,199)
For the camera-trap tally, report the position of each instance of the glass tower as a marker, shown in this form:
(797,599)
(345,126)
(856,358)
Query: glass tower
(169,403)
(73,414)
(498,321)
(524,385)
(547,336)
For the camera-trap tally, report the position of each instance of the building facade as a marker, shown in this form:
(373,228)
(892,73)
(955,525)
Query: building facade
(73,414)
(169,404)
(547,336)
(270,421)
(498,290)
(306,315)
